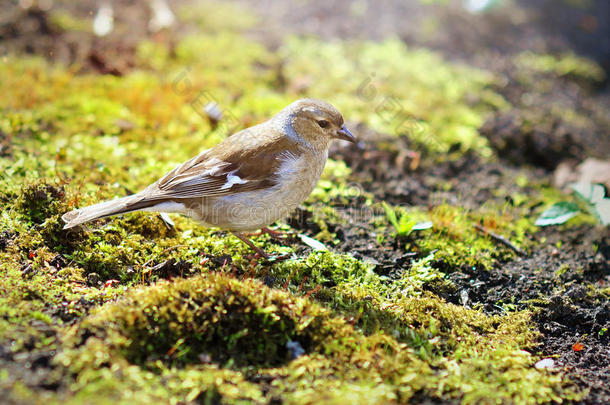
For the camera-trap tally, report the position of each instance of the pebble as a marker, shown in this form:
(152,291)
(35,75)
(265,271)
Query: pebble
(545,364)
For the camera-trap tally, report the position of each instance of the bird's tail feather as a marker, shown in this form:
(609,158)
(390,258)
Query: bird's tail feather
(103,210)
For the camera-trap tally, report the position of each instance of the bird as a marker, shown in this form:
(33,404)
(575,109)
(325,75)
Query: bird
(246,182)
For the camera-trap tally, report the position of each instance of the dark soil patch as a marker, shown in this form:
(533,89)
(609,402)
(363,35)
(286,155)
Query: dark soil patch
(5,145)
(562,285)
(381,165)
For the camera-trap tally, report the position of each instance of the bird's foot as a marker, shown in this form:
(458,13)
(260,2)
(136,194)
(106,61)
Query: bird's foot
(277,258)
(260,252)
(282,235)
(276,234)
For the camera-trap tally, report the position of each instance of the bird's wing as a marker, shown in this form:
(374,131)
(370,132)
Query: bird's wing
(246,161)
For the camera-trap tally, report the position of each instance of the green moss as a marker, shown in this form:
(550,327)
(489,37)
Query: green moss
(65,21)
(215,16)
(569,65)
(367,80)
(210,315)
(235,325)
(453,239)
(321,268)
(39,201)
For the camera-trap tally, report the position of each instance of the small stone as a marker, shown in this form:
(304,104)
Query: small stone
(58,261)
(545,364)
(269,281)
(27,270)
(464,297)
(213,112)
(124,125)
(205,358)
(295,349)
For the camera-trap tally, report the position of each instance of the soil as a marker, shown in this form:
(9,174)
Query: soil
(558,283)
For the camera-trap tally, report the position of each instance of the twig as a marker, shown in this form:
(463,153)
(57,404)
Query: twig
(501,239)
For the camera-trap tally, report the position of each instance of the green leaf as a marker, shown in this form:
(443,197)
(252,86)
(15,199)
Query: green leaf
(602,210)
(591,193)
(312,243)
(391,215)
(558,214)
(594,196)
(406,225)
(422,226)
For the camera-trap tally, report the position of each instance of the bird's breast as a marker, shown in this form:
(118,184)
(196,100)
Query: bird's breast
(294,180)
(298,176)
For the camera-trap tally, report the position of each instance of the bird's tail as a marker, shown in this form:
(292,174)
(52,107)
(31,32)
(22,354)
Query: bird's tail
(103,210)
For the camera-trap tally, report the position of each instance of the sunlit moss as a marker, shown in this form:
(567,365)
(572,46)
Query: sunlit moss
(396,90)
(214,16)
(568,64)
(222,322)
(67,22)
(453,239)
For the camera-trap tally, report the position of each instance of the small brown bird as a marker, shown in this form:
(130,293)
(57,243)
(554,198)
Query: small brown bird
(246,182)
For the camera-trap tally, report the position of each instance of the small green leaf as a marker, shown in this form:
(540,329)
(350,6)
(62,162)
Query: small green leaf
(558,214)
(592,193)
(422,226)
(594,196)
(391,215)
(312,243)
(406,225)
(602,210)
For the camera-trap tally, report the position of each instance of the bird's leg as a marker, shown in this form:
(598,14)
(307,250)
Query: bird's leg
(248,242)
(275,234)
(268,231)
(258,250)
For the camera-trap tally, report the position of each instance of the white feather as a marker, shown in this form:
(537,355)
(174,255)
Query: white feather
(232,179)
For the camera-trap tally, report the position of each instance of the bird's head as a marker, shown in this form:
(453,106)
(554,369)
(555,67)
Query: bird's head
(316,121)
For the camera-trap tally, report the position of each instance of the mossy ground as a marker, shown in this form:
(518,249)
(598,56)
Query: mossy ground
(134,310)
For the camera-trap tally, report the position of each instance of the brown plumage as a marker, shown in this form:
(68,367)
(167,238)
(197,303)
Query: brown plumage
(247,181)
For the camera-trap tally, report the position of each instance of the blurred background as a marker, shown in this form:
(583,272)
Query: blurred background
(474,30)
(521,42)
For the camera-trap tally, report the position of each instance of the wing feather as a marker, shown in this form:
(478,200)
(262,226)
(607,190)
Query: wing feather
(246,161)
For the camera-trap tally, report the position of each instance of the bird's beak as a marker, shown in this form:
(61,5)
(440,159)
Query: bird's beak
(344,134)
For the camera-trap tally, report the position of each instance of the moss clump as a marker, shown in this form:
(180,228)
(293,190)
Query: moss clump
(209,315)
(565,65)
(321,268)
(40,200)
(148,225)
(213,336)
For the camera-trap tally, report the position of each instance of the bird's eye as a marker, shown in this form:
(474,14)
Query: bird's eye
(323,123)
